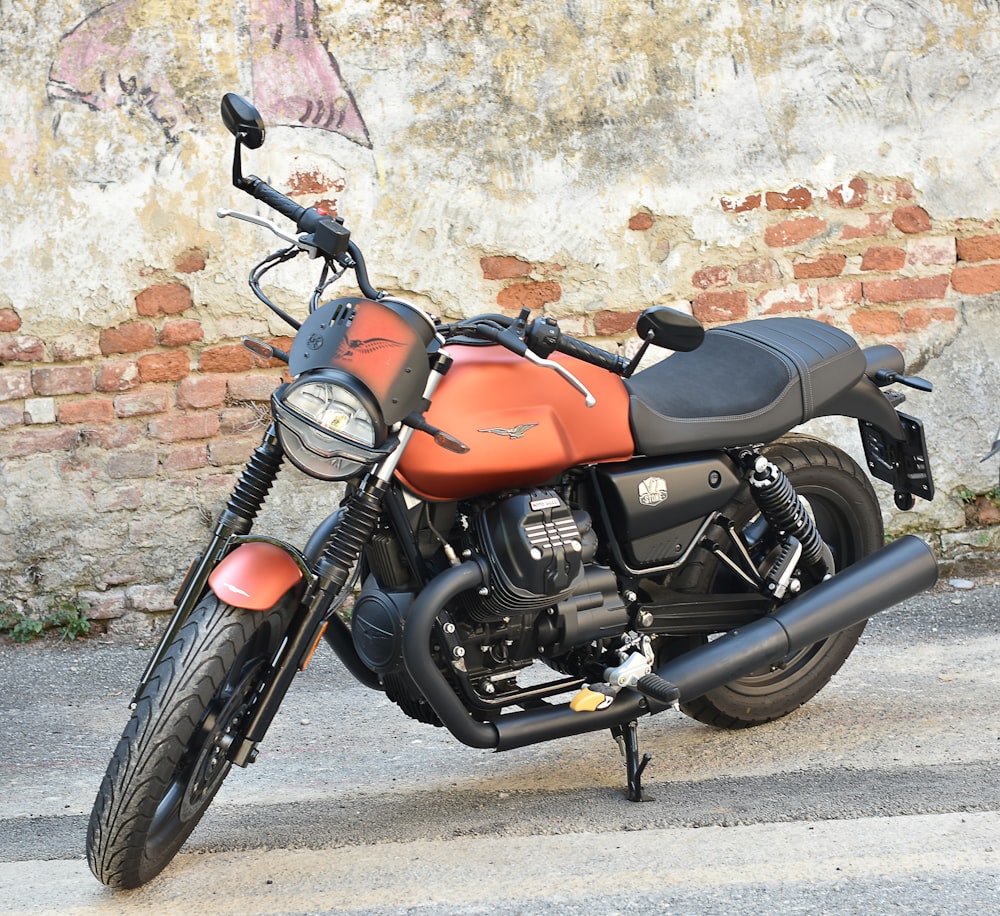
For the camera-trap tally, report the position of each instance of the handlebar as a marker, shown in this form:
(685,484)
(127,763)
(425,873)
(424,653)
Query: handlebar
(322,234)
(543,336)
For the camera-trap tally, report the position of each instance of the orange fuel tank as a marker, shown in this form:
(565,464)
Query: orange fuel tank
(523,424)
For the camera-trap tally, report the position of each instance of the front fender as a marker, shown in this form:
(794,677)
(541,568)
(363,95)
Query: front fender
(255,575)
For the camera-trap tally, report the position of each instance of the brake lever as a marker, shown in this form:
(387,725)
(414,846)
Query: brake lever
(296,240)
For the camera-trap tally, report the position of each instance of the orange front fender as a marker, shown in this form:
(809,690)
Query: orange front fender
(254,576)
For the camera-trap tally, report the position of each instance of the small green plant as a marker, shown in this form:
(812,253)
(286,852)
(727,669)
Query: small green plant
(18,625)
(68,617)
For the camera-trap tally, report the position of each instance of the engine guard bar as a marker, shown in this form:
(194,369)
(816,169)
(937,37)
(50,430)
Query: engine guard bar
(898,571)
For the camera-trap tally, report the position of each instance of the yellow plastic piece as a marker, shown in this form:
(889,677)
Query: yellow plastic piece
(588,700)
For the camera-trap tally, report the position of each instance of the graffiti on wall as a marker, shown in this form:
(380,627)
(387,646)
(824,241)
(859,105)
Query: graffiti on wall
(113,58)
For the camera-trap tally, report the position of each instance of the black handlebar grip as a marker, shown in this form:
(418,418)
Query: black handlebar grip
(578,349)
(275,199)
(652,685)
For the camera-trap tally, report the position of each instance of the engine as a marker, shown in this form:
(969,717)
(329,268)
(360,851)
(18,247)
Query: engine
(544,597)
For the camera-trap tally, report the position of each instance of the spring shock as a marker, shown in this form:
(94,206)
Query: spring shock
(786,513)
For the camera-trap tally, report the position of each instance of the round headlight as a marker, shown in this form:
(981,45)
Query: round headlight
(328,426)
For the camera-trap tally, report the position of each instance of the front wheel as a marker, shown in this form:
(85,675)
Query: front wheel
(171,759)
(846,511)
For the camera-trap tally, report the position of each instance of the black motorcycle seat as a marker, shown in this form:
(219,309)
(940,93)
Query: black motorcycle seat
(747,383)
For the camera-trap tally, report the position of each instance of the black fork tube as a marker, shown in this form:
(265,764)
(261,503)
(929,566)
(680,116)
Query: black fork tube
(237,518)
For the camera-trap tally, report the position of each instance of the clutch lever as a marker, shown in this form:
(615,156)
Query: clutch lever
(536,360)
(511,341)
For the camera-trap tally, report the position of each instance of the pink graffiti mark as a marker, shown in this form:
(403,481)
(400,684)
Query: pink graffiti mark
(103,63)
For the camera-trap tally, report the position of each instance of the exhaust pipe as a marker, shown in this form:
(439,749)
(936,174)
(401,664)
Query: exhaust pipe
(898,571)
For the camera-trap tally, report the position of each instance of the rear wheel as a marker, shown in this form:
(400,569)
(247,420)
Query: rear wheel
(847,513)
(171,760)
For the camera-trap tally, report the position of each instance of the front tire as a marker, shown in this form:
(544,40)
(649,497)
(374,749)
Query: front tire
(847,513)
(170,760)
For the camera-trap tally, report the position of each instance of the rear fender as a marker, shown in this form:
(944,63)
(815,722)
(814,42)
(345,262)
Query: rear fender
(256,574)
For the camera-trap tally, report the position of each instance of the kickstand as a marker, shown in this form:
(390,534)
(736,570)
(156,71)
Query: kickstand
(628,743)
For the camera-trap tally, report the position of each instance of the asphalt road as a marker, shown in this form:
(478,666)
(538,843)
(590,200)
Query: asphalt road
(882,795)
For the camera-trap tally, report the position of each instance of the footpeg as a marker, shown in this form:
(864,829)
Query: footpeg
(654,687)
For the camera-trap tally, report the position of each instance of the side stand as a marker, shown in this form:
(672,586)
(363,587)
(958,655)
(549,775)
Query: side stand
(628,743)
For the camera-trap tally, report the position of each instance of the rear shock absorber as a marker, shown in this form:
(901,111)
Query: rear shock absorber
(786,513)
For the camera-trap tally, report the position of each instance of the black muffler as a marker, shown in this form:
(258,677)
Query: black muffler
(898,571)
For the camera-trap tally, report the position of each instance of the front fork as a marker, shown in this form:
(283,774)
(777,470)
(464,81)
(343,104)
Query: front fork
(237,519)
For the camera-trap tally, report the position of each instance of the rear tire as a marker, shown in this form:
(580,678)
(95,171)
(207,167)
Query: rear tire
(170,760)
(849,518)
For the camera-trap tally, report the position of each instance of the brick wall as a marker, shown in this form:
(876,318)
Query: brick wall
(863,255)
(147,422)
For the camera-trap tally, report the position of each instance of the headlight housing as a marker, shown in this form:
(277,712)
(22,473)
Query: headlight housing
(329,424)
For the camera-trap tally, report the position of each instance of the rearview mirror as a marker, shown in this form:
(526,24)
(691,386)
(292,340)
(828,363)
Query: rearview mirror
(670,329)
(242,120)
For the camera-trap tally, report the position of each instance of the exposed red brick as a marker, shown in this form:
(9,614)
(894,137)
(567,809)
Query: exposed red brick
(10,416)
(883,257)
(116,376)
(190,426)
(15,383)
(876,224)
(504,267)
(919,318)
(829,265)
(255,387)
(75,348)
(608,322)
(796,298)
(35,441)
(125,465)
(976,280)
(228,358)
(741,204)
(225,452)
(91,410)
(181,332)
(839,295)
(792,231)
(191,261)
(797,198)
(10,321)
(529,294)
(978,248)
(132,337)
(115,436)
(911,219)
(186,458)
(142,402)
(63,380)
(758,271)
(714,277)
(163,299)
(164,367)
(640,222)
(906,289)
(238,420)
(21,350)
(876,321)
(851,194)
(199,391)
(313,182)
(714,306)
(926,252)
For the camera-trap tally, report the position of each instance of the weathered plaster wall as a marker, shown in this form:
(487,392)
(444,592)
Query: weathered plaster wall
(589,158)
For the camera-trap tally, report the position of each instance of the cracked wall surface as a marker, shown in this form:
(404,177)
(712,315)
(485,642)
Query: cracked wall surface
(586,158)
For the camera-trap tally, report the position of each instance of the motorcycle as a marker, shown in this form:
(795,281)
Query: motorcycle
(538,538)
